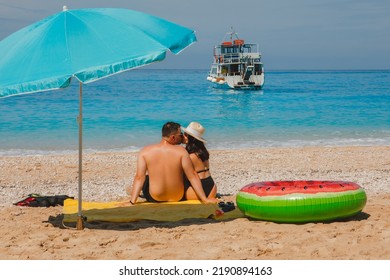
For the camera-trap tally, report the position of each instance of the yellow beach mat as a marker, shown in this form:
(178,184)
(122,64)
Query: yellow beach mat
(114,211)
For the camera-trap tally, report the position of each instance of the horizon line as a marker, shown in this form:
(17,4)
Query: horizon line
(281,69)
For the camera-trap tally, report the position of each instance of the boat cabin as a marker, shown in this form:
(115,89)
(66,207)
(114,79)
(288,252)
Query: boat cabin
(234,57)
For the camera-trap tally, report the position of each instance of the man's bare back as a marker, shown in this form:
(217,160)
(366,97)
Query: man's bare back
(165,171)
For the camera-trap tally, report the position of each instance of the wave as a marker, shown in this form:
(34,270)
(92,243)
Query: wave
(214,145)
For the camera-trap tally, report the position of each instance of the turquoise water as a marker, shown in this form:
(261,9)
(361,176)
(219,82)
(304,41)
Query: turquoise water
(126,111)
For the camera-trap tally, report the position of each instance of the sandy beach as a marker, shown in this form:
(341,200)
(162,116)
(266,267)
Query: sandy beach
(36,233)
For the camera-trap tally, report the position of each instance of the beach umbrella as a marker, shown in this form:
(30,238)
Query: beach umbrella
(87,45)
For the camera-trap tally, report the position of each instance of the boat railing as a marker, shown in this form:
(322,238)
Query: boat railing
(241,74)
(227,58)
(232,48)
(235,58)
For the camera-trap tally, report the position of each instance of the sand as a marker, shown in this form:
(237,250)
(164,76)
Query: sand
(37,233)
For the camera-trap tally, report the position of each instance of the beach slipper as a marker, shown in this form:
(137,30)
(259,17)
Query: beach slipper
(226,206)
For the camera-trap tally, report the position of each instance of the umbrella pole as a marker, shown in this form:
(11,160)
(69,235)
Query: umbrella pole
(80,222)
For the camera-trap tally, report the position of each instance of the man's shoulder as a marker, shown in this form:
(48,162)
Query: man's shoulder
(149,148)
(156,148)
(179,148)
(159,146)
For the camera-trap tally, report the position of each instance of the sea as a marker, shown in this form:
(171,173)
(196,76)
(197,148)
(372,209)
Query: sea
(125,112)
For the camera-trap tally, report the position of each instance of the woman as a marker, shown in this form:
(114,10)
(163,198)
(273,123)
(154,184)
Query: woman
(200,159)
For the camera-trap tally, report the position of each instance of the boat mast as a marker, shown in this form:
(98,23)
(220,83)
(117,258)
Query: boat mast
(230,35)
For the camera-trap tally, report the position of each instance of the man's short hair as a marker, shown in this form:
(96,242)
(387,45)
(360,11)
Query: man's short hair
(170,128)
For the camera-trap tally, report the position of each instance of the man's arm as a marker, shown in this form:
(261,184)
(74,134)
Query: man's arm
(194,178)
(139,179)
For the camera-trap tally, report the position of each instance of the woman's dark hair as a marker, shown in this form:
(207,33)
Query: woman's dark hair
(197,147)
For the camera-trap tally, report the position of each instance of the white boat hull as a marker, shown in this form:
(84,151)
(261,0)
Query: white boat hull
(254,82)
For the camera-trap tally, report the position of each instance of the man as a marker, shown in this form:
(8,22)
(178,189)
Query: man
(166,164)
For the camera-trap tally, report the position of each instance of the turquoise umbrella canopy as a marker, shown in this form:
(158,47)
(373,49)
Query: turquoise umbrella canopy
(87,44)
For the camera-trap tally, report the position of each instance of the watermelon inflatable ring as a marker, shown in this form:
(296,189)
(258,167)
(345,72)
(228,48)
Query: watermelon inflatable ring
(301,201)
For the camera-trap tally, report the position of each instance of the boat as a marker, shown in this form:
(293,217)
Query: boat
(236,64)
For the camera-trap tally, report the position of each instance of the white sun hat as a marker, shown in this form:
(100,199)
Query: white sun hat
(196,130)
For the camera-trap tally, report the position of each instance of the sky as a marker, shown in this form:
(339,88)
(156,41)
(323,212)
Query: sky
(292,35)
